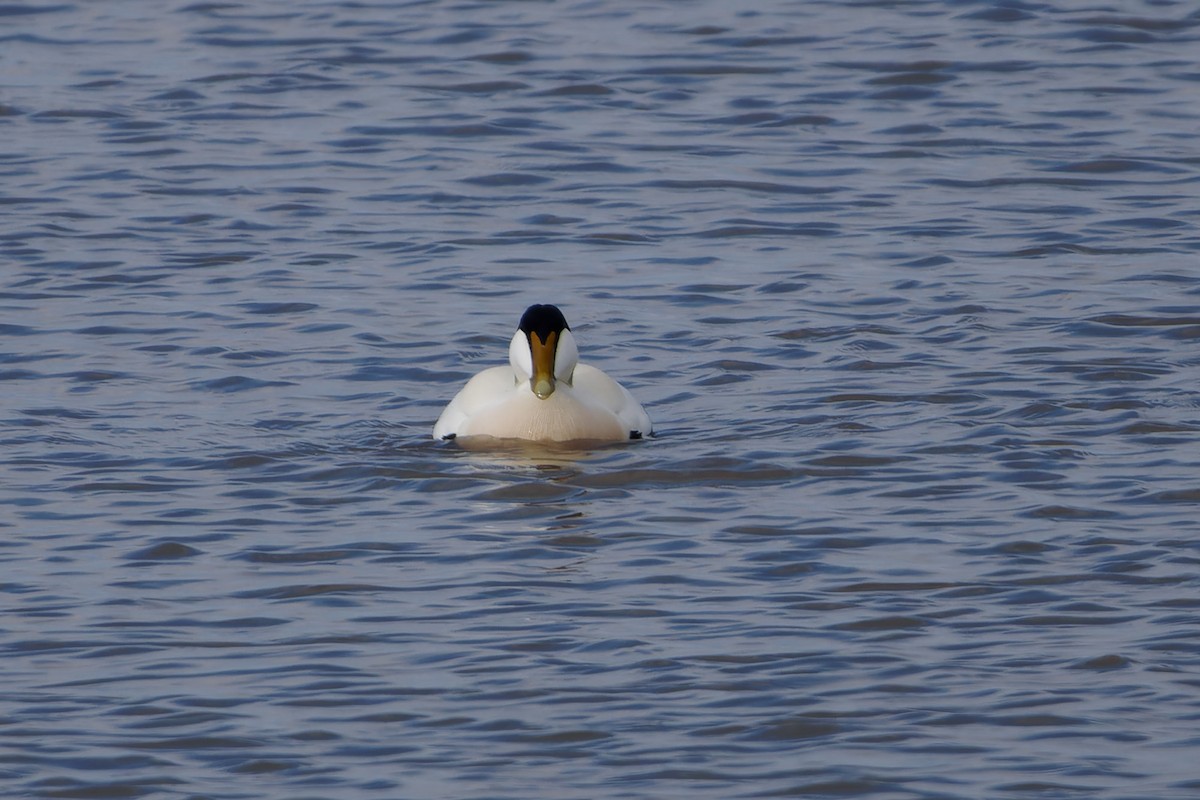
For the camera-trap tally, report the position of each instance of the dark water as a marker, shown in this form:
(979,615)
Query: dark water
(911,291)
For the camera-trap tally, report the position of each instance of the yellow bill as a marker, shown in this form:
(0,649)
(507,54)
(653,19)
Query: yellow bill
(542,381)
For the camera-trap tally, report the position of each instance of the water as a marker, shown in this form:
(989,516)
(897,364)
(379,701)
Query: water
(910,291)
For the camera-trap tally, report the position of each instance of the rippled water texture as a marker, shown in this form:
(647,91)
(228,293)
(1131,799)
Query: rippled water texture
(910,290)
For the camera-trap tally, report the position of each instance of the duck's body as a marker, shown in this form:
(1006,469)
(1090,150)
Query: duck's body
(544,394)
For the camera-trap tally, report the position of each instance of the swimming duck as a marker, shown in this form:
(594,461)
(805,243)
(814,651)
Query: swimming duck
(544,394)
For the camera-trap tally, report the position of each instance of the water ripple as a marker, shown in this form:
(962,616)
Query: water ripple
(905,288)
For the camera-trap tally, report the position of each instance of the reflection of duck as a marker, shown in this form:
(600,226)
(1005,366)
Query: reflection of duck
(544,394)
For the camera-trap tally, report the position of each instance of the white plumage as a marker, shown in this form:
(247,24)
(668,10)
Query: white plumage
(544,394)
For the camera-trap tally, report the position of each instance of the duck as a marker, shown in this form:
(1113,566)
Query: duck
(543,394)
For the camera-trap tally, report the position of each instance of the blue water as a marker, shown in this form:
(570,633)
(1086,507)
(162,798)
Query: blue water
(910,290)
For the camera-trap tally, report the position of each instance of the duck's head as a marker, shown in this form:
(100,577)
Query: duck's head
(543,350)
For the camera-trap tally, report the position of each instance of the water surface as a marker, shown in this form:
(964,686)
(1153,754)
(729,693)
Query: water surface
(910,291)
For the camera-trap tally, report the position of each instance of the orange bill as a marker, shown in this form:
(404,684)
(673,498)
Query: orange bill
(542,381)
